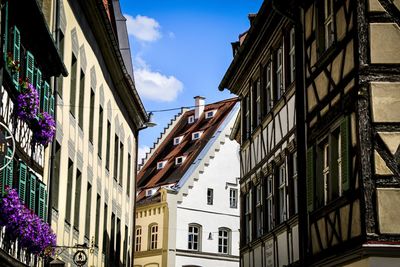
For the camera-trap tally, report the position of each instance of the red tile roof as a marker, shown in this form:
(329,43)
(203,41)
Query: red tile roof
(149,176)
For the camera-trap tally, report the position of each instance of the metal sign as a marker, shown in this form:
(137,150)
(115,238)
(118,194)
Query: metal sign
(6,141)
(80,258)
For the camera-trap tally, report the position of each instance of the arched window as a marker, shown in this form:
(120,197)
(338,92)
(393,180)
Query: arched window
(224,240)
(138,238)
(194,237)
(153,234)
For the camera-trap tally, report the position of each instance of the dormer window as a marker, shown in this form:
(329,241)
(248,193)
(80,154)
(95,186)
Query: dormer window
(196,135)
(210,114)
(178,140)
(191,119)
(161,164)
(179,160)
(150,192)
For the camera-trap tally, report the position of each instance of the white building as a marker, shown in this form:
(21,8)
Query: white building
(187,200)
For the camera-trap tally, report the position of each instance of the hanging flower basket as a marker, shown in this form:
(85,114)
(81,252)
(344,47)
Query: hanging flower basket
(44,128)
(27,101)
(32,232)
(13,65)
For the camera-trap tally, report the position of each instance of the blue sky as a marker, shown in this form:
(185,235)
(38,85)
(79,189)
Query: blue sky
(181,49)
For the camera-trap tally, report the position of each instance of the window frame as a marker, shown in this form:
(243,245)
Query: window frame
(224,247)
(138,238)
(153,236)
(192,244)
(210,196)
(233,198)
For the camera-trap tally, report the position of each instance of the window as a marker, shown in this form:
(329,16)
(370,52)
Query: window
(191,119)
(96,234)
(331,164)
(105,234)
(292,58)
(179,160)
(246,117)
(247,214)
(100,137)
(77,198)
(328,23)
(61,50)
(91,116)
(72,96)
(279,73)
(161,164)
(153,236)
(121,163)
(196,135)
(224,240)
(210,114)
(259,211)
(55,183)
(268,88)
(69,191)
(233,193)
(116,156)
(128,183)
(194,237)
(270,211)
(256,109)
(138,239)
(81,99)
(178,140)
(282,192)
(88,208)
(108,145)
(295,205)
(210,196)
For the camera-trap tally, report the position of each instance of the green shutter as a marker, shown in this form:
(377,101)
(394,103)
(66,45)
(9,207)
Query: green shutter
(41,200)
(22,181)
(310,179)
(38,82)
(45,96)
(16,54)
(51,107)
(32,191)
(345,147)
(6,175)
(30,67)
(5,36)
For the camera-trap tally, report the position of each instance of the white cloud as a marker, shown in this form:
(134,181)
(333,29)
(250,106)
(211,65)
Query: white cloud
(142,153)
(143,28)
(156,86)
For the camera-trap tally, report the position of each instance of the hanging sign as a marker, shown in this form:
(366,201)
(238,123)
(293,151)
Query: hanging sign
(80,258)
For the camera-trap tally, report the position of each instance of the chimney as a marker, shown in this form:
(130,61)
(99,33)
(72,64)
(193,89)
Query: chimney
(199,106)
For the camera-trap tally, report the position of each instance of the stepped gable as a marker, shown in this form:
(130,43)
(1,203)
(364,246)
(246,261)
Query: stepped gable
(149,176)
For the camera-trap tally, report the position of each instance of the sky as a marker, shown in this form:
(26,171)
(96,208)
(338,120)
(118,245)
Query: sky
(181,49)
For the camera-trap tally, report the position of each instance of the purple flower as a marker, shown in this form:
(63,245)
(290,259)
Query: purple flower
(33,234)
(45,129)
(27,102)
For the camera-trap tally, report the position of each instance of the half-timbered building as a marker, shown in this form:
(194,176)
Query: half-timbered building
(262,74)
(348,151)
(352,118)
(28,55)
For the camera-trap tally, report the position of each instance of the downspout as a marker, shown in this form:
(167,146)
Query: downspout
(301,134)
(53,145)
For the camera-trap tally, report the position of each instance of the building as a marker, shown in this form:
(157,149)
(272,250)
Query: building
(187,209)
(344,61)
(353,95)
(28,54)
(263,76)
(99,114)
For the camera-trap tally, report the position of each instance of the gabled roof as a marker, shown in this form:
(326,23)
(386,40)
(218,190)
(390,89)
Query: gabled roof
(149,176)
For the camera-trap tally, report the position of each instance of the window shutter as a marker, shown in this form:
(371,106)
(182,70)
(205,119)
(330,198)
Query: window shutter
(45,98)
(310,179)
(346,159)
(41,200)
(5,36)
(51,106)
(30,67)
(6,177)
(16,54)
(32,191)
(38,82)
(22,181)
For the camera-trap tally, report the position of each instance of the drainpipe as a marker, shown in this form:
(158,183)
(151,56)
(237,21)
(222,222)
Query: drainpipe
(301,130)
(53,145)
